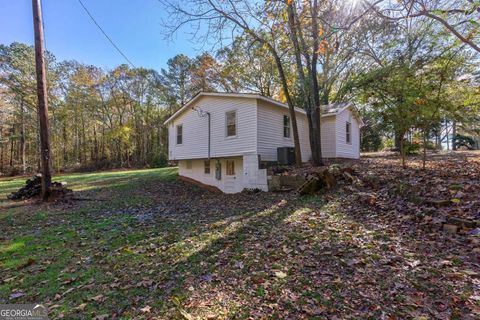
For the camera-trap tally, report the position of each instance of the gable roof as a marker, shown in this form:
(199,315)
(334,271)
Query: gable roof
(327,110)
(337,107)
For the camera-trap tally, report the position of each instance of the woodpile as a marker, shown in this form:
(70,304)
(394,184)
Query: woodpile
(315,181)
(33,188)
(327,178)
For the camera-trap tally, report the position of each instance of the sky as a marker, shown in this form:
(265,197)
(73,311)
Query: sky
(70,34)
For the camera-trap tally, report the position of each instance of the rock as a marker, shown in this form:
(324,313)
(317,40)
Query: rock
(450,228)
(292,181)
(274,183)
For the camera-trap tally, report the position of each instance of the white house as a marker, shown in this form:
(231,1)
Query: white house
(220,139)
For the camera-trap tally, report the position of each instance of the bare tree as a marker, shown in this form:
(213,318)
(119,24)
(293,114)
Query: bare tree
(459,17)
(221,20)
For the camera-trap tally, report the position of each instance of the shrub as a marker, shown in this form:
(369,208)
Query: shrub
(462,141)
(411,147)
(388,144)
(157,160)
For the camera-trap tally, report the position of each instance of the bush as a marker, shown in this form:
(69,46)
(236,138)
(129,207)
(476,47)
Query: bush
(411,148)
(157,160)
(466,142)
(370,139)
(388,144)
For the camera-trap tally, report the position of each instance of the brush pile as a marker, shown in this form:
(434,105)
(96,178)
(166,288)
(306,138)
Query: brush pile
(33,188)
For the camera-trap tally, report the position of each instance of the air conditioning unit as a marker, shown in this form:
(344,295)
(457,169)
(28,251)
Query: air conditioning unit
(286,155)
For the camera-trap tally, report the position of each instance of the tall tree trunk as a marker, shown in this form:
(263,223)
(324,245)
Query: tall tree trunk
(402,152)
(11,152)
(306,85)
(42,95)
(454,135)
(64,147)
(424,150)
(95,144)
(22,138)
(291,108)
(316,122)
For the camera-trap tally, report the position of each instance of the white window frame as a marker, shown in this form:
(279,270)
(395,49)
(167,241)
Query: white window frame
(176,134)
(226,124)
(289,126)
(348,132)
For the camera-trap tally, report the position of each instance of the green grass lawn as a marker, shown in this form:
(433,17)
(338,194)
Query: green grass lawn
(142,245)
(45,239)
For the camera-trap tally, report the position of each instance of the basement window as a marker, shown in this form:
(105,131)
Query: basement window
(207,166)
(286,126)
(231,123)
(180,134)
(230,167)
(348,132)
(189,164)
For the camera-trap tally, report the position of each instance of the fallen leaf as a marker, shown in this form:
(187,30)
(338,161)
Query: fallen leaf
(82,306)
(98,299)
(146,309)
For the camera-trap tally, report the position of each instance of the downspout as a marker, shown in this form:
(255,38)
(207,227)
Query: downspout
(209,139)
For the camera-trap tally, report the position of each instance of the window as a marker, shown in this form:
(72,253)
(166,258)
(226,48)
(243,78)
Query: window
(286,126)
(348,132)
(207,166)
(189,164)
(180,134)
(230,167)
(231,123)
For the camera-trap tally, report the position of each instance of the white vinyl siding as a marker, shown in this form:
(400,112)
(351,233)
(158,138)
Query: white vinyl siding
(195,129)
(271,132)
(345,149)
(259,128)
(328,136)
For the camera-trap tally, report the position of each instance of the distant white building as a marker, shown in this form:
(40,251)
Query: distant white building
(220,139)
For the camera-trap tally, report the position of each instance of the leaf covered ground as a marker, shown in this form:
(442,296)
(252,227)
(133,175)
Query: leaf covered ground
(142,245)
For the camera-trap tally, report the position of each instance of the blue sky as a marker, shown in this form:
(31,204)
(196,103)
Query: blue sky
(134,25)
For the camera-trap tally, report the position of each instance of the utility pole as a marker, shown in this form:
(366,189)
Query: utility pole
(42,98)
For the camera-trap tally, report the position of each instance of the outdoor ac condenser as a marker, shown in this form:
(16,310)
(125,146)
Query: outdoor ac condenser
(286,155)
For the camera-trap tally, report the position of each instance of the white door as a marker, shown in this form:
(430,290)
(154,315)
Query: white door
(230,182)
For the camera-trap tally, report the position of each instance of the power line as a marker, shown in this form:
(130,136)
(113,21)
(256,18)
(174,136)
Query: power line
(105,34)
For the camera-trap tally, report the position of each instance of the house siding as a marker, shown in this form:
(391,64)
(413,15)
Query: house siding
(270,132)
(195,129)
(328,136)
(344,149)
